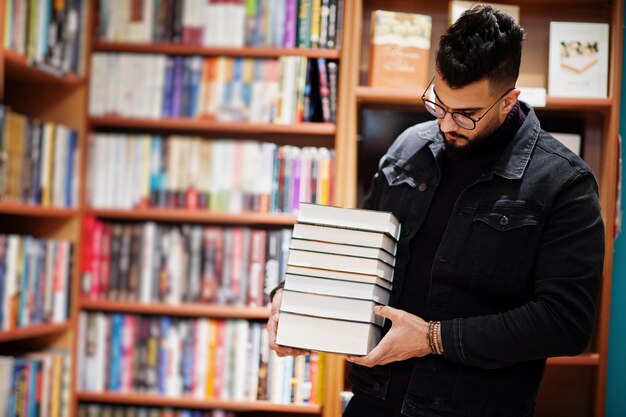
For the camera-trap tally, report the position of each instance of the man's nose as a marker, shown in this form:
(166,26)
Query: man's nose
(447,124)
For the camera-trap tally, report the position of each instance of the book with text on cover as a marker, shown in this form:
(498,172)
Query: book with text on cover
(579,59)
(399,49)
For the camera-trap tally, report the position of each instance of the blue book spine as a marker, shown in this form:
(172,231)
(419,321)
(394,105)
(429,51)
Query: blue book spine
(194,86)
(155,169)
(168,84)
(177,89)
(69,178)
(32,388)
(163,355)
(23,283)
(116,352)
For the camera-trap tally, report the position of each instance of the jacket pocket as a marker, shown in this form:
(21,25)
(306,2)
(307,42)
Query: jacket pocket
(503,245)
(396,175)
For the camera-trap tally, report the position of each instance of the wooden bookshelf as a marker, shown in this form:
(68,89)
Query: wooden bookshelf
(586,359)
(197,216)
(180,49)
(201,125)
(30,210)
(35,331)
(18,68)
(180,310)
(601,135)
(182,402)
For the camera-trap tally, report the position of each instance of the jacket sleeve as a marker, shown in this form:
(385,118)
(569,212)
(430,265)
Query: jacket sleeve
(559,319)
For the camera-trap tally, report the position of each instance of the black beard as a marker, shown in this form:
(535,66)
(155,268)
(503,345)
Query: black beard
(478,146)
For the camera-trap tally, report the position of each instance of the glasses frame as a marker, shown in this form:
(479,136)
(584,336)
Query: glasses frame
(453,113)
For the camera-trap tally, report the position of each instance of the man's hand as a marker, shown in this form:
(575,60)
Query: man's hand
(406,339)
(272,326)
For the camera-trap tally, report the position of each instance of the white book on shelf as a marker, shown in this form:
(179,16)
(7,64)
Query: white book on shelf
(343,249)
(341,263)
(578,60)
(331,307)
(327,335)
(338,288)
(357,219)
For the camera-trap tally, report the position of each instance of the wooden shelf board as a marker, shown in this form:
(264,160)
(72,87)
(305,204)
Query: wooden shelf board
(588,359)
(36,211)
(34,331)
(181,402)
(179,49)
(184,310)
(412,97)
(200,125)
(197,216)
(19,68)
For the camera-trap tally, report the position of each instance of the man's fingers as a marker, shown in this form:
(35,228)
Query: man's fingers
(390,313)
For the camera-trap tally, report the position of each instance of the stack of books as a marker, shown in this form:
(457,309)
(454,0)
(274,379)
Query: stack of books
(340,267)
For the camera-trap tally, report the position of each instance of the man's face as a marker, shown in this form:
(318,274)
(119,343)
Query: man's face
(473,100)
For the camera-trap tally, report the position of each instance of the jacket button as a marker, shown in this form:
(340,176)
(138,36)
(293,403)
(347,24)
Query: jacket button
(504,221)
(422,187)
(376,386)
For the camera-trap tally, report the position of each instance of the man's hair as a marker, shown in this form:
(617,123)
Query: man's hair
(483,43)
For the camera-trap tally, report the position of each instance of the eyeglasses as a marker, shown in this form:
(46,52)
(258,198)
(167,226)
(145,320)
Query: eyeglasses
(461,119)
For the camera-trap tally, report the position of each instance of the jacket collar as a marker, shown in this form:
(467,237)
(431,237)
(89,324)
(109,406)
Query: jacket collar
(515,157)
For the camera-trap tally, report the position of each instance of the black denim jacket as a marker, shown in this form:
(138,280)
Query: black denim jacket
(515,279)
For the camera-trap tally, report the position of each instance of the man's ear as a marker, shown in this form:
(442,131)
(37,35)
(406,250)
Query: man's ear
(509,100)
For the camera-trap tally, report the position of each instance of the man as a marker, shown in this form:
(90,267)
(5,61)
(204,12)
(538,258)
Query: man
(501,254)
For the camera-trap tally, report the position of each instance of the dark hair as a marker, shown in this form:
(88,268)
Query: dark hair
(483,43)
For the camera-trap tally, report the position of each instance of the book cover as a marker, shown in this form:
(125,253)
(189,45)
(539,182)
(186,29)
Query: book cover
(355,219)
(327,335)
(399,49)
(331,307)
(579,59)
(339,288)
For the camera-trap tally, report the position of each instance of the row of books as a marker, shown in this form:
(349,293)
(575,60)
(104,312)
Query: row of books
(108,410)
(286,90)
(198,358)
(195,173)
(340,268)
(237,23)
(49,33)
(36,385)
(39,161)
(182,263)
(34,281)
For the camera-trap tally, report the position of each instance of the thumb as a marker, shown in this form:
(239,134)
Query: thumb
(387,312)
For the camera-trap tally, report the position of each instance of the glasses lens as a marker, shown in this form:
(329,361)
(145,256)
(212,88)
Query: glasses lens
(434,109)
(463,121)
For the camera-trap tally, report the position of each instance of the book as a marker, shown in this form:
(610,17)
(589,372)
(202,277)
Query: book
(457,7)
(345,236)
(327,335)
(340,308)
(578,59)
(338,275)
(343,249)
(336,287)
(356,219)
(399,49)
(341,262)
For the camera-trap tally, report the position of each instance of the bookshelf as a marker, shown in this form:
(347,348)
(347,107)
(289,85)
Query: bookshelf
(584,393)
